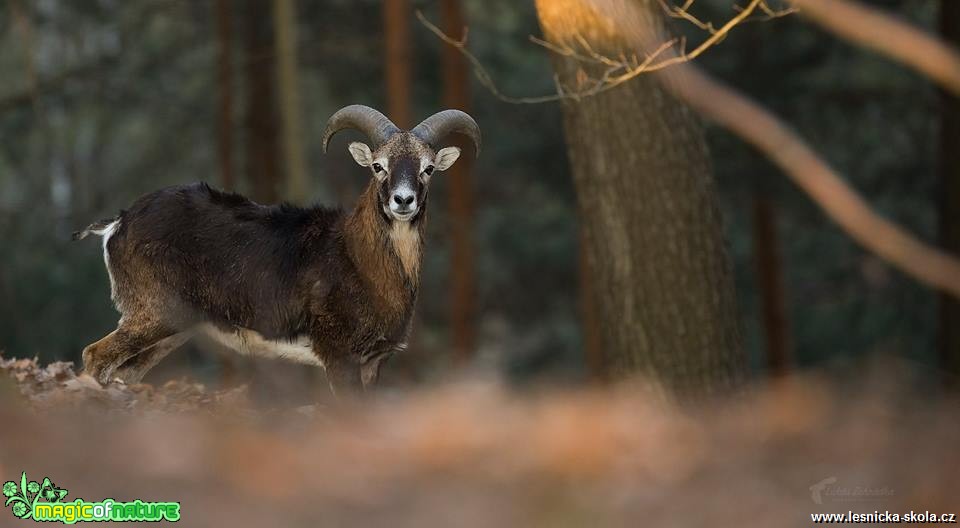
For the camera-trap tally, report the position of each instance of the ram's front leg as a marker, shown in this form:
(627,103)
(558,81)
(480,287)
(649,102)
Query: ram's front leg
(371,360)
(343,374)
(352,374)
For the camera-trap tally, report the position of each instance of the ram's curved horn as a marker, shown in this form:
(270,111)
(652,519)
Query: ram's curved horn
(363,118)
(438,126)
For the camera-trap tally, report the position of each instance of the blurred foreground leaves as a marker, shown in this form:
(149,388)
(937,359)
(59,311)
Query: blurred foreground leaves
(475,454)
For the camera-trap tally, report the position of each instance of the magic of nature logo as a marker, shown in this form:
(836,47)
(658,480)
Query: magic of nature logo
(44,501)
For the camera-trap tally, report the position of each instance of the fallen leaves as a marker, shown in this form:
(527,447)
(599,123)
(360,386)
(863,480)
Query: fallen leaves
(57,386)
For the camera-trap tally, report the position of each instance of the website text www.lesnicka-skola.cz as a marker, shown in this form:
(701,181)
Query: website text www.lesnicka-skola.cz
(910,517)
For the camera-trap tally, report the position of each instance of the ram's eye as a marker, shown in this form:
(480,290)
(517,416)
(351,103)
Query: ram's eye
(429,170)
(377,167)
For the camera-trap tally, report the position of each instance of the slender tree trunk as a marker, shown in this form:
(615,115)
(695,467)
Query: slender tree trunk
(950,202)
(662,277)
(40,177)
(396,29)
(263,157)
(224,16)
(288,77)
(456,94)
(769,273)
(24,29)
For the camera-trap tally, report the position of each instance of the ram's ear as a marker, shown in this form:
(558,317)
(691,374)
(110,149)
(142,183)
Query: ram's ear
(361,154)
(445,158)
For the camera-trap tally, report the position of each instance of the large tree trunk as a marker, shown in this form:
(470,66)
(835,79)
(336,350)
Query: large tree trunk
(288,80)
(663,283)
(456,94)
(950,202)
(396,31)
(263,159)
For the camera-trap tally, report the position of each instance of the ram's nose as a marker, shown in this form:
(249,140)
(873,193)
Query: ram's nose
(404,200)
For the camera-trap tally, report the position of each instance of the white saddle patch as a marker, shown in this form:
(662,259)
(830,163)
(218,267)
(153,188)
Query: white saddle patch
(251,343)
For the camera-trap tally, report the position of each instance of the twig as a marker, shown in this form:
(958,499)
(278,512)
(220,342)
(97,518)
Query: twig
(608,80)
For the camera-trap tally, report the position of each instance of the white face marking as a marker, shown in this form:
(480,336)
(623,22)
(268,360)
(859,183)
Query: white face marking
(403,202)
(425,161)
(250,343)
(384,163)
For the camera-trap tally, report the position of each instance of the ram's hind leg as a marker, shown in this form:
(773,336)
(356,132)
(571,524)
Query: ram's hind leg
(101,359)
(134,369)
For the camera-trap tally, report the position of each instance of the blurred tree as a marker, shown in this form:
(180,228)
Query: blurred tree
(456,94)
(263,156)
(950,200)
(768,263)
(23,26)
(664,286)
(288,80)
(768,276)
(224,16)
(396,34)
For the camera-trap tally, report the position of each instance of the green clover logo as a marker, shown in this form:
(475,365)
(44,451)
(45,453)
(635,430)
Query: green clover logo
(24,498)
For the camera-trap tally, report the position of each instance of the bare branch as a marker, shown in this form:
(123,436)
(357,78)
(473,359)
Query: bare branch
(888,35)
(787,150)
(483,77)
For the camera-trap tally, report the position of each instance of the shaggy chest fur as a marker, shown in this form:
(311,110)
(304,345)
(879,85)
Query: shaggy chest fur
(386,255)
(406,243)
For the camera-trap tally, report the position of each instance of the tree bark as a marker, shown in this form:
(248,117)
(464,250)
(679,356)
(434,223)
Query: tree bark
(288,80)
(662,277)
(589,321)
(224,16)
(949,337)
(263,156)
(456,94)
(396,31)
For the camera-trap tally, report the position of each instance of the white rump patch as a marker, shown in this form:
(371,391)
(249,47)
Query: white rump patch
(107,232)
(250,343)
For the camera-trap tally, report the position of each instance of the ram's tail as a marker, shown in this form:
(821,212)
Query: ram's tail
(97,228)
